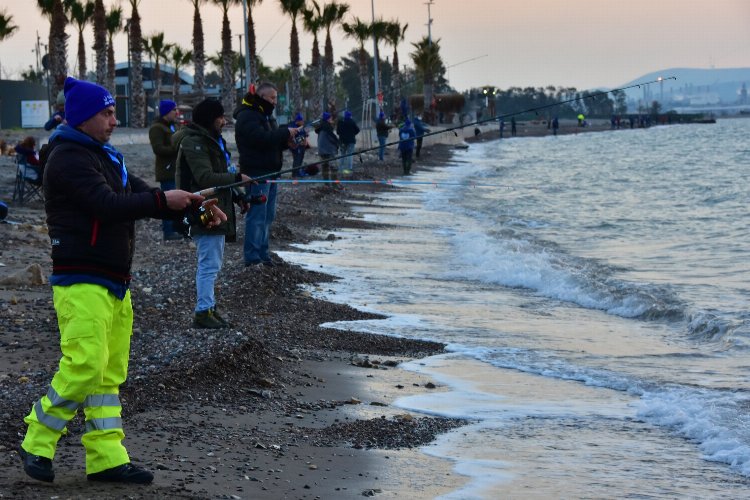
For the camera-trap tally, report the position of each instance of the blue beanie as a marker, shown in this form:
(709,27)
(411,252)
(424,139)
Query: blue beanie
(381,115)
(347,114)
(165,106)
(407,122)
(299,118)
(83,100)
(326,116)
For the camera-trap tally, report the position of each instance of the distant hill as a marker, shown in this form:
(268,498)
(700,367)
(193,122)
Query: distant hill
(693,86)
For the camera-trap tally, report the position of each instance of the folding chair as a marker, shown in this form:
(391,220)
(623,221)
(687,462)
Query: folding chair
(28,182)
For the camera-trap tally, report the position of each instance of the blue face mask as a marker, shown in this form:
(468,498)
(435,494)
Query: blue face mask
(78,136)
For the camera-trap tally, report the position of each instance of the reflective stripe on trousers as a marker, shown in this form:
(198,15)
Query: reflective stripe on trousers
(95,329)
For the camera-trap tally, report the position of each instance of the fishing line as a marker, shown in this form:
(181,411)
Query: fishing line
(389,182)
(312,168)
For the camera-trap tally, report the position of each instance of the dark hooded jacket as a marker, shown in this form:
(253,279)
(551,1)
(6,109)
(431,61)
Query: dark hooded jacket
(90,213)
(260,141)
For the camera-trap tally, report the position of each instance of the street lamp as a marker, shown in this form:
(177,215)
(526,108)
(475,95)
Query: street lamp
(248,69)
(128,92)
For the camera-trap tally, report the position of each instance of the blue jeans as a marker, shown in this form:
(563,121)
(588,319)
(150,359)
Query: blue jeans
(210,257)
(258,224)
(347,161)
(167,226)
(298,157)
(381,152)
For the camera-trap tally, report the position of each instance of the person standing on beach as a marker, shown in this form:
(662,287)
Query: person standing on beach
(92,203)
(203,161)
(555,125)
(420,130)
(406,137)
(513,126)
(58,117)
(381,129)
(300,146)
(160,136)
(260,143)
(347,130)
(328,146)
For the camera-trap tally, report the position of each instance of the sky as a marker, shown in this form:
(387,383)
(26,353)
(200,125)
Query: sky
(502,43)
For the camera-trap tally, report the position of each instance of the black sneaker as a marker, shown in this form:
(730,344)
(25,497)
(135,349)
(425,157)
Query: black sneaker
(125,473)
(207,319)
(39,468)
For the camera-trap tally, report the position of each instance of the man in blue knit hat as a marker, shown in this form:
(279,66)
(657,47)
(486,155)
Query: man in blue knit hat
(160,136)
(347,131)
(92,202)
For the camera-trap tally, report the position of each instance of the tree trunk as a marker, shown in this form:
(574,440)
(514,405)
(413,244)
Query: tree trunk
(317,84)
(111,67)
(364,79)
(81,56)
(228,99)
(58,51)
(100,42)
(252,47)
(199,56)
(396,80)
(176,84)
(329,90)
(138,98)
(294,57)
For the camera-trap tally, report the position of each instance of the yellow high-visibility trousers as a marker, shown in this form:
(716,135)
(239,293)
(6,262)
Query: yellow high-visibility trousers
(95,330)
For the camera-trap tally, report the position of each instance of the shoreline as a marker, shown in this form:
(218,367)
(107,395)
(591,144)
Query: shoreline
(275,406)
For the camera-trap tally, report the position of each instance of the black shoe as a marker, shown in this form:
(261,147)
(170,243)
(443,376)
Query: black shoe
(173,236)
(207,319)
(253,263)
(37,467)
(269,263)
(221,320)
(125,473)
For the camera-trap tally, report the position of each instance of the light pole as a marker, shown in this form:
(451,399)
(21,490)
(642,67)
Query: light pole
(127,107)
(429,23)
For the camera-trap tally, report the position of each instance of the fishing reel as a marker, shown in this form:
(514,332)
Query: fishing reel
(193,216)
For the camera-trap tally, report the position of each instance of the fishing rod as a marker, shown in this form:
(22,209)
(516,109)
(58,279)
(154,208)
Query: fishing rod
(312,168)
(388,182)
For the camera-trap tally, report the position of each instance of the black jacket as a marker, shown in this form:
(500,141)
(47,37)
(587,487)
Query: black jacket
(347,131)
(260,141)
(91,215)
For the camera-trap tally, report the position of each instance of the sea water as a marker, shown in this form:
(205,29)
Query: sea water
(594,294)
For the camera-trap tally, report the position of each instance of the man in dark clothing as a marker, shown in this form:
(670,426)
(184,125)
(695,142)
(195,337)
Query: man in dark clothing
(203,161)
(92,203)
(300,146)
(347,131)
(260,143)
(406,137)
(420,130)
(328,146)
(160,137)
(382,128)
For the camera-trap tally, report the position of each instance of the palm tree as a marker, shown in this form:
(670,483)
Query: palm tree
(179,58)
(113,22)
(6,25)
(394,33)
(313,22)
(251,42)
(138,99)
(100,41)
(199,53)
(160,52)
(81,13)
(294,8)
(361,32)
(428,63)
(333,14)
(228,93)
(58,45)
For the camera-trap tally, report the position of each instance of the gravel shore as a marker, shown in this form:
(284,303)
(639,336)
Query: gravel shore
(274,407)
